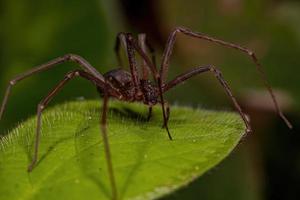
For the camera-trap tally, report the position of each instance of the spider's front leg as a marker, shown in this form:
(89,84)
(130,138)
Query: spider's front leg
(144,44)
(42,105)
(155,74)
(167,108)
(150,110)
(106,143)
(68,57)
(198,70)
(120,41)
(170,45)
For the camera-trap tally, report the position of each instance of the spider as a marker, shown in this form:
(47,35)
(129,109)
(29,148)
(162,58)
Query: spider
(132,86)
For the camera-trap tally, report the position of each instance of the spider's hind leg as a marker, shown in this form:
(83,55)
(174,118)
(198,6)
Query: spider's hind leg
(170,45)
(46,66)
(198,70)
(156,76)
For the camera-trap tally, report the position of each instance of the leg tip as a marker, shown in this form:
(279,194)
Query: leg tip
(169,135)
(287,122)
(248,130)
(30,167)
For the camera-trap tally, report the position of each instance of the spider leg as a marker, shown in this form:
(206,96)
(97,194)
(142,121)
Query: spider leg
(167,107)
(132,61)
(149,113)
(155,74)
(168,111)
(42,105)
(132,45)
(143,42)
(130,50)
(68,57)
(198,70)
(103,125)
(169,48)
(120,40)
(133,67)
(145,46)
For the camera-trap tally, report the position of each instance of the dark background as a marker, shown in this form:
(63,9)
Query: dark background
(266,165)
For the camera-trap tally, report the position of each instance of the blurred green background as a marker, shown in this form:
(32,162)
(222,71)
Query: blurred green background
(266,165)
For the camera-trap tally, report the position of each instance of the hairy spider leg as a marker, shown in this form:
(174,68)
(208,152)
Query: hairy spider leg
(132,45)
(198,70)
(149,113)
(145,46)
(120,41)
(143,42)
(68,57)
(106,143)
(42,105)
(122,37)
(133,68)
(170,45)
(156,77)
(168,110)
(145,68)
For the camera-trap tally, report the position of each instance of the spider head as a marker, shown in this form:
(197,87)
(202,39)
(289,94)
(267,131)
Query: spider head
(150,92)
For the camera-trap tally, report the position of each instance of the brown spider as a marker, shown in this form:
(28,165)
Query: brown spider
(130,86)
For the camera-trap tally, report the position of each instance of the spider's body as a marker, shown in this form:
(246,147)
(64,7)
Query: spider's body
(133,86)
(121,80)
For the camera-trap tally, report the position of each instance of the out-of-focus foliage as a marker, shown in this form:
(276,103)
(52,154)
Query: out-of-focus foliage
(33,32)
(269,28)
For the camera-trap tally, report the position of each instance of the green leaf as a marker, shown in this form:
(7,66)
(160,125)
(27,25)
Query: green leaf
(147,164)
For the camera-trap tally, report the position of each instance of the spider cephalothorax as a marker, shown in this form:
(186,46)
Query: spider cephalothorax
(135,86)
(121,80)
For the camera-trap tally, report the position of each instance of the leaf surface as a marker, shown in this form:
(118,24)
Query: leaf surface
(147,164)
